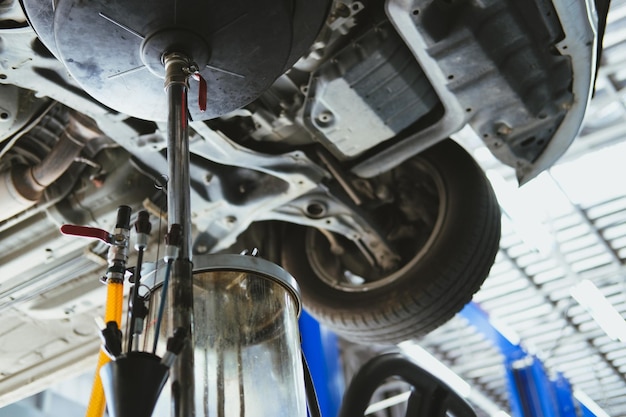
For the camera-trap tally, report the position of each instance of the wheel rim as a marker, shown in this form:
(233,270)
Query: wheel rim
(410,221)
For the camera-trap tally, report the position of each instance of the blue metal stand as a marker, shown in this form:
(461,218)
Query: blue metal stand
(532,393)
(321,350)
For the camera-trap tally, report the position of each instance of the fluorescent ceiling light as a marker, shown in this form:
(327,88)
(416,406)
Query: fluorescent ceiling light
(607,317)
(590,404)
(435,367)
(388,402)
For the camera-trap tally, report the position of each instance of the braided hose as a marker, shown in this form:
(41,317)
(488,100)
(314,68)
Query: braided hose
(113,312)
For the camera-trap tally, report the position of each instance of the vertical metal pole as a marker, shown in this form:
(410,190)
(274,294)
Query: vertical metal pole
(180,297)
(178,194)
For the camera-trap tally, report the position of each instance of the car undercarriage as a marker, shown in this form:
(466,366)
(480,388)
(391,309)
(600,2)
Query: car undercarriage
(336,163)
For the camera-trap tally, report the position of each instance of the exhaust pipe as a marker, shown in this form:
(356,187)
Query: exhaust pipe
(23,186)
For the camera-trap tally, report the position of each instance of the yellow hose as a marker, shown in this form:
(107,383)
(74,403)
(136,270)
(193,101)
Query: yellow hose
(113,312)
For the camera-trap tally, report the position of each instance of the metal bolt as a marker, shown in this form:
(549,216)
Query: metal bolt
(503,129)
(325,118)
(316,209)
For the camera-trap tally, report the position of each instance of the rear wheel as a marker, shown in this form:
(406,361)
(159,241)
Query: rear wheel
(439,213)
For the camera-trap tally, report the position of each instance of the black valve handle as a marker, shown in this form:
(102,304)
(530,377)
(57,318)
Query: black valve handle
(143,225)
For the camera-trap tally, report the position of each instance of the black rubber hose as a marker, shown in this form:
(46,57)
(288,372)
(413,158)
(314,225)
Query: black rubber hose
(311,396)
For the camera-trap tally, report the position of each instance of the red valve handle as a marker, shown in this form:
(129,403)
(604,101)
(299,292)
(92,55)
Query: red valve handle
(202,90)
(86,231)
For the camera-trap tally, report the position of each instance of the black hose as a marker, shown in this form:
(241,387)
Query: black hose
(135,300)
(138,310)
(435,398)
(311,397)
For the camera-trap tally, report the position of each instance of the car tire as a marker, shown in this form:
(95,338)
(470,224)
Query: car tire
(439,272)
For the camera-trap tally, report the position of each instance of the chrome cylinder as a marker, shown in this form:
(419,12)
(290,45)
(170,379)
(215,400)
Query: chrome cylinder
(180,294)
(178,187)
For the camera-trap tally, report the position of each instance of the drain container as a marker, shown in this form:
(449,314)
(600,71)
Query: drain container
(247,355)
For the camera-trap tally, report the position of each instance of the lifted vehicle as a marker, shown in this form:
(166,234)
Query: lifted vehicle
(330,151)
